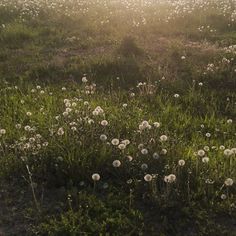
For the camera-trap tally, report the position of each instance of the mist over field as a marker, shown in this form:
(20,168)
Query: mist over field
(118,117)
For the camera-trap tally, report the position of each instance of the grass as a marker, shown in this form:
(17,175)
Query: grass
(117,119)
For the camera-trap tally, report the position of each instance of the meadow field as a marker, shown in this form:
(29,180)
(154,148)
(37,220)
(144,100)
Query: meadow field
(117,117)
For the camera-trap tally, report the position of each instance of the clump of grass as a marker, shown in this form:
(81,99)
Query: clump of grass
(16,35)
(129,47)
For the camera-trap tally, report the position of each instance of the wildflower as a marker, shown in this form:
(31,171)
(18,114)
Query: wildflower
(155,155)
(148,178)
(181,162)
(96,177)
(183,58)
(130,158)
(201,153)
(176,95)
(73,128)
(27,128)
(32,140)
(170,178)
(208,135)
(90,121)
(144,166)
(2,131)
(104,122)
(144,125)
(84,79)
(223,196)
(103,137)
(144,151)
(227,152)
(126,142)
(132,94)
(163,138)
(115,142)
(164,151)
(209,181)
(229,182)
(222,147)
(206,148)
(18,126)
(121,146)
(229,121)
(205,159)
(233,150)
(60,131)
(28,113)
(140,146)
(156,124)
(116,163)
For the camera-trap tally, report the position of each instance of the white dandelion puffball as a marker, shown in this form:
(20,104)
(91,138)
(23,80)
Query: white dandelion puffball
(229,121)
(84,79)
(181,162)
(183,58)
(229,182)
(96,177)
(208,135)
(148,178)
(201,153)
(223,196)
(176,95)
(233,150)
(126,142)
(170,178)
(116,163)
(144,166)
(104,122)
(155,155)
(2,131)
(163,138)
(73,128)
(222,147)
(228,152)
(121,146)
(115,141)
(164,151)
(60,131)
(205,159)
(18,126)
(144,151)
(28,113)
(132,95)
(156,124)
(130,158)
(103,137)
